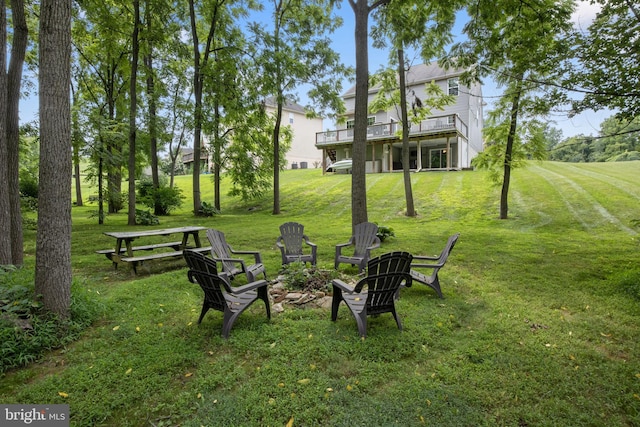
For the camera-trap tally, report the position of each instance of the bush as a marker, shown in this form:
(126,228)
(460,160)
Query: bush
(207,210)
(28,185)
(146,218)
(26,329)
(162,200)
(384,232)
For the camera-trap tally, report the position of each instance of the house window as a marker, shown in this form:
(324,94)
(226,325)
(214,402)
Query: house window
(438,158)
(290,118)
(370,121)
(453,87)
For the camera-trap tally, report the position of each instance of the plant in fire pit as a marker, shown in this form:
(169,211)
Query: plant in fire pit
(297,277)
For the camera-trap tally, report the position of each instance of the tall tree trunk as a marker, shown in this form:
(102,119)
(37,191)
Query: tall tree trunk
(76,141)
(5,212)
(217,156)
(358,176)
(101,186)
(276,155)
(504,194)
(197,91)
(406,172)
(53,241)
(14,79)
(135,47)
(153,118)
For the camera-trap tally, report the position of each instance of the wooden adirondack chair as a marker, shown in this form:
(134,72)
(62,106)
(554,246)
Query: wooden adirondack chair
(222,253)
(376,293)
(219,295)
(364,240)
(290,243)
(436,263)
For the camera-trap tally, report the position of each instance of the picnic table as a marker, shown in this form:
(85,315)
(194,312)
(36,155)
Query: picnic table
(124,251)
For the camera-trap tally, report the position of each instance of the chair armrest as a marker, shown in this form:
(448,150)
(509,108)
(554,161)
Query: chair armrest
(256,255)
(375,245)
(424,265)
(343,286)
(249,286)
(307,241)
(238,260)
(426,257)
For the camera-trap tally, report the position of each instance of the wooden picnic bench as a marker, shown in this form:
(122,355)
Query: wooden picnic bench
(124,250)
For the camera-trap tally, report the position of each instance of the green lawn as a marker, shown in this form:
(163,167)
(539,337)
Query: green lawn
(537,327)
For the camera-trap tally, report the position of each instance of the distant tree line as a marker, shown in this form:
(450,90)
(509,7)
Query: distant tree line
(617,141)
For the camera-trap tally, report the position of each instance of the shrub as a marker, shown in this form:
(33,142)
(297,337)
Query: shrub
(26,329)
(384,232)
(28,185)
(162,200)
(207,209)
(146,218)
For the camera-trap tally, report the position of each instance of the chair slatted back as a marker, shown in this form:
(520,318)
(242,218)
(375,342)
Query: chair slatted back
(448,248)
(364,236)
(385,275)
(292,234)
(220,249)
(203,271)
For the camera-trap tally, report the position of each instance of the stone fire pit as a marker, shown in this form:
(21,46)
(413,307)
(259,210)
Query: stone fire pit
(301,287)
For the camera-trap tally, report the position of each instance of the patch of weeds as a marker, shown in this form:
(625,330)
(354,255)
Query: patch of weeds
(26,329)
(296,276)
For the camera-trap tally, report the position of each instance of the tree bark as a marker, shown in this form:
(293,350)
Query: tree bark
(133,98)
(504,194)
(359,148)
(5,212)
(53,241)
(153,119)
(197,116)
(276,156)
(14,79)
(406,172)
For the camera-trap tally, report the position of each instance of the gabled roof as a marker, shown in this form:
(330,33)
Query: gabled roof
(417,74)
(288,105)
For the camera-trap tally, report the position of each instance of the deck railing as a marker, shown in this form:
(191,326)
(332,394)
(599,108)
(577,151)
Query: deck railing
(432,125)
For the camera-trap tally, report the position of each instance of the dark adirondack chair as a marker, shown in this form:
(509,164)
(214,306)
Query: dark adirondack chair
(435,263)
(222,253)
(375,293)
(290,243)
(364,240)
(218,293)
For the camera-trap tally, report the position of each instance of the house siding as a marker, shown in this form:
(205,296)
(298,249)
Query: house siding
(302,153)
(458,142)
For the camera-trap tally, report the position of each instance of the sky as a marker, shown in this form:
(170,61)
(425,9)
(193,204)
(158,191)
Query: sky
(587,123)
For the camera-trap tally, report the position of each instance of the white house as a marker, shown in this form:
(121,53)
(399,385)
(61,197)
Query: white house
(448,140)
(302,154)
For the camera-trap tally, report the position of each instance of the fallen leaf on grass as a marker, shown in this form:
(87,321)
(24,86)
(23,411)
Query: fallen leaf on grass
(290,423)
(115,328)
(304,381)
(128,371)
(63,394)
(188,374)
